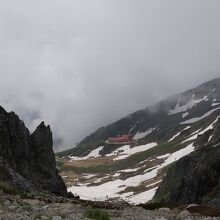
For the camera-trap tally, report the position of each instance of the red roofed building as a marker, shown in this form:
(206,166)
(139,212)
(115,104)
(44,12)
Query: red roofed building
(121,139)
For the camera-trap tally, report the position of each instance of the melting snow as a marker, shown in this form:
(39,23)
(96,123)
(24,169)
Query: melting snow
(190,139)
(153,184)
(214,104)
(179,133)
(116,175)
(92,154)
(88,176)
(125,151)
(175,136)
(185,114)
(112,189)
(163,156)
(129,170)
(188,105)
(140,135)
(185,107)
(210,138)
(193,120)
(143,197)
(197,133)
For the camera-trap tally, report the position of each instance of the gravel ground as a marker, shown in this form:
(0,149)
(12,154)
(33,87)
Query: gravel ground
(13,207)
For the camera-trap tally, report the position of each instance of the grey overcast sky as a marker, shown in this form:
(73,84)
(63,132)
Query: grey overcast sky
(81,64)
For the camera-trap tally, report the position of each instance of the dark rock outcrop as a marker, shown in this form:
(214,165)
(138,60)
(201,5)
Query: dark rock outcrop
(194,178)
(31,156)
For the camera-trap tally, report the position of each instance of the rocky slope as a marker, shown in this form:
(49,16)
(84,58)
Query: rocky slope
(27,161)
(30,187)
(196,177)
(159,123)
(163,134)
(55,208)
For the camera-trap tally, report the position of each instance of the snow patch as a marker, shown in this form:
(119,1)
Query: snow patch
(176,135)
(116,174)
(126,151)
(210,138)
(128,170)
(193,120)
(143,197)
(92,154)
(116,186)
(140,135)
(185,114)
(163,156)
(214,104)
(197,133)
(171,139)
(183,108)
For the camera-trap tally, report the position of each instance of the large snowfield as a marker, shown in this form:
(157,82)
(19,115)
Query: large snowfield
(113,189)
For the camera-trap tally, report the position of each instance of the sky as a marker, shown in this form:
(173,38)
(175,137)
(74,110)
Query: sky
(82,64)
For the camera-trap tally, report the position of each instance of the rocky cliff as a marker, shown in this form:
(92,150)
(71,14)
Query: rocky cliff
(30,157)
(196,177)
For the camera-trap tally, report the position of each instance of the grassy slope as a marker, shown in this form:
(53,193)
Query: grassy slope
(123,164)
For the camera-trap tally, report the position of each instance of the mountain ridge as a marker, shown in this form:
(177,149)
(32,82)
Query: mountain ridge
(170,130)
(124,124)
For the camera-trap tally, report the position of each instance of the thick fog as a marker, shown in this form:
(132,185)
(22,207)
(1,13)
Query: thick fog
(81,64)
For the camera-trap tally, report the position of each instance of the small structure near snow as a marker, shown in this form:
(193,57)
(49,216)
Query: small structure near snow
(120,139)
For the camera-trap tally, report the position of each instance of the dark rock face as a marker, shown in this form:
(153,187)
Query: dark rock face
(194,178)
(31,156)
(42,143)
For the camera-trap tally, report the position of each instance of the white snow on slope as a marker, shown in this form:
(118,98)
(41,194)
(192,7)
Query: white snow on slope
(185,114)
(210,126)
(193,120)
(142,197)
(210,138)
(190,138)
(176,135)
(214,104)
(92,154)
(163,156)
(126,151)
(112,189)
(185,107)
(128,170)
(140,135)
(188,105)
(171,139)
(178,154)
(197,133)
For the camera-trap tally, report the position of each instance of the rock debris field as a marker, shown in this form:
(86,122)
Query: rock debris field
(14,207)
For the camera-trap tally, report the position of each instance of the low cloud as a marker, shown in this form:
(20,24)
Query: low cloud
(79,65)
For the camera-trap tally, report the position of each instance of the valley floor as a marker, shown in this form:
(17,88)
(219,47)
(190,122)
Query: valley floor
(13,207)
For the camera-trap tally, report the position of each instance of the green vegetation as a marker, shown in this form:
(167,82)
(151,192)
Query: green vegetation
(97,214)
(7,188)
(132,160)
